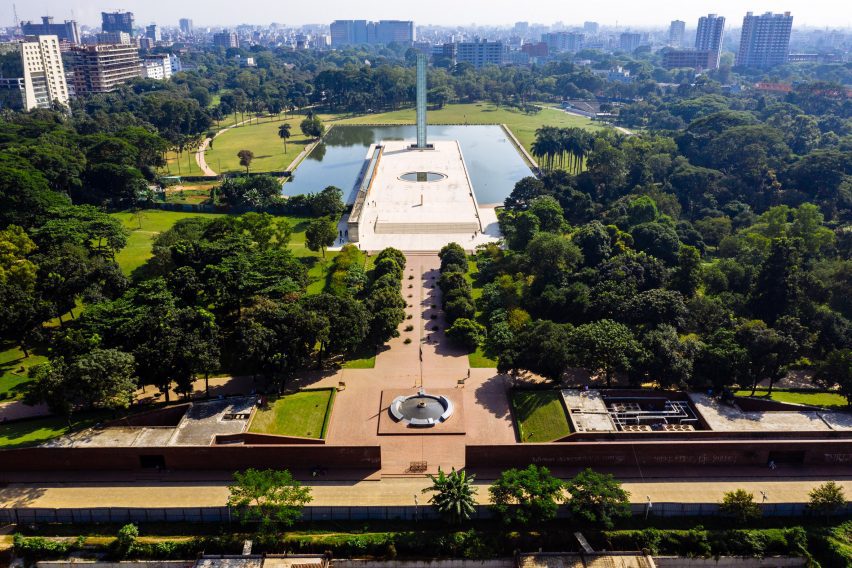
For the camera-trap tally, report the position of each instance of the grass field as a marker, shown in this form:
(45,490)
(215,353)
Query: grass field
(479,360)
(13,370)
(303,414)
(521,124)
(262,139)
(830,400)
(180,164)
(38,431)
(540,416)
(143,227)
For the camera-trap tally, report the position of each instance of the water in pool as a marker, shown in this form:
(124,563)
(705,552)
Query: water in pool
(493,162)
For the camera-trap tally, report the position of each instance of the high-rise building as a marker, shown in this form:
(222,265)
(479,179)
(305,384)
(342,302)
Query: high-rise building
(362,32)
(709,35)
(480,53)
(521,29)
(157,67)
(101,68)
(66,31)
(591,28)
(676,30)
(117,22)
(185,25)
(152,32)
(765,40)
(226,40)
(629,41)
(44,74)
(394,31)
(559,42)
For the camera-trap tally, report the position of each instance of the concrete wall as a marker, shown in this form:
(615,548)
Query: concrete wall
(448,563)
(718,452)
(223,458)
(729,562)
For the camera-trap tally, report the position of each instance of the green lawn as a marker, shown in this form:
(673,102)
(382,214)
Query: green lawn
(366,359)
(143,227)
(304,414)
(38,431)
(830,400)
(521,124)
(540,416)
(479,360)
(13,370)
(180,164)
(262,139)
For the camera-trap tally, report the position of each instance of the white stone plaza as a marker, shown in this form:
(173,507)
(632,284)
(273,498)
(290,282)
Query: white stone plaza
(419,200)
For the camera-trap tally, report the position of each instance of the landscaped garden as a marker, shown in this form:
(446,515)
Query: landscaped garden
(303,414)
(40,430)
(539,415)
(13,370)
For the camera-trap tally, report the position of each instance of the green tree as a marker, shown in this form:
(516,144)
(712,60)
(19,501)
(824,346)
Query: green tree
(453,258)
(594,243)
(320,234)
(246,157)
(740,505)
(328,202)
(549,213)
(604,346)
(541,347)
(312,127)
(467,333)
(526,497)
(837,370)
(597,498)
(687,276)
(284,133)
(454,495)
(826,499)
(268,497)
(125,540)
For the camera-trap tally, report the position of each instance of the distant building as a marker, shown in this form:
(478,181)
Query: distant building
(44,74)
(521,28)
(117,22)
(12,93)
(540,49)
(101,68)
(480,53)
(709,35)
(66,31)
(113,38)
(629,41)
(560,42)
(676,31)
(185,25)
(362,32)
(226,40)
(152,32)
(591,28)
(157,67)
(699,59)
(765,40)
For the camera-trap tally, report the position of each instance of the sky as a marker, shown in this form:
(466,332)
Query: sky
(624,13)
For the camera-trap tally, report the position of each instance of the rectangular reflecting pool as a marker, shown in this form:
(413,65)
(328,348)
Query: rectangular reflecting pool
(493,162)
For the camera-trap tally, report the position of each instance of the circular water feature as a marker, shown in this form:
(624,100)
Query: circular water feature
(421,409)
(422,176)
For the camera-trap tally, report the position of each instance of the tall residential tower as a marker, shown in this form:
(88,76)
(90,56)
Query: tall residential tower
(765,40)
(709,35)
(44,74)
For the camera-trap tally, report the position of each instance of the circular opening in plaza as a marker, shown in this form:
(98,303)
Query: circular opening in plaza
(421,409)
(422,176)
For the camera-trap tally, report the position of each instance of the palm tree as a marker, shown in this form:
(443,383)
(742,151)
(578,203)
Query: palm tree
(454,495)
(284,133)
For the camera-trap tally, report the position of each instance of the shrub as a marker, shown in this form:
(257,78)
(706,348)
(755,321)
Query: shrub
(409,328)
(407,340)
(740,505)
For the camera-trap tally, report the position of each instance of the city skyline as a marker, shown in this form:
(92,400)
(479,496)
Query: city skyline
(652,13)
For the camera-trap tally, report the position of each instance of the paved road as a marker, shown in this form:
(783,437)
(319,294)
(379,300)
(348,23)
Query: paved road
(388,491)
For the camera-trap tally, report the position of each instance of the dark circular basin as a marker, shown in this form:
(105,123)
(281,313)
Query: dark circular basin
(422,176)
(421,409)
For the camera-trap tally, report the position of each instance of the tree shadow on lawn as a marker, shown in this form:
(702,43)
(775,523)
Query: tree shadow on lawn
(493,396)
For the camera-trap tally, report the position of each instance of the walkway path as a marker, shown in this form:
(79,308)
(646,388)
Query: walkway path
(391,492)
(568,111)
(201,159)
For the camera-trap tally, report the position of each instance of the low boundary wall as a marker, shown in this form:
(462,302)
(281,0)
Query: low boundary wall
(718,452)
(222,458)
(121,515)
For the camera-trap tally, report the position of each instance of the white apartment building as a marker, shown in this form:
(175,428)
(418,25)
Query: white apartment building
(157,67)
(44,75)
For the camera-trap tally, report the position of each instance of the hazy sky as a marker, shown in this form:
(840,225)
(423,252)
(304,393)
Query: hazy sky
(446,12)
